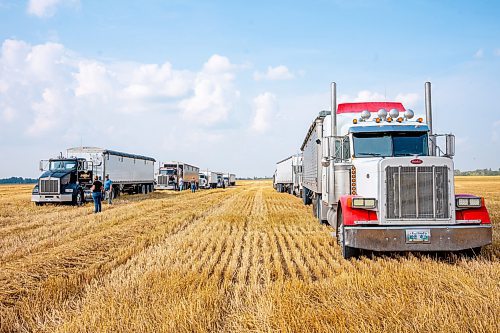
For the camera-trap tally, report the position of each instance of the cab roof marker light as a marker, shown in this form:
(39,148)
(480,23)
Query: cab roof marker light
(400,119)
(420,120)
(389,119)
(394,113)
(354,121)
(409,114)
(382,113)
(365,115)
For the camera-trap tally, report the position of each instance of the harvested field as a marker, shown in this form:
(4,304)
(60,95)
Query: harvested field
(244,259)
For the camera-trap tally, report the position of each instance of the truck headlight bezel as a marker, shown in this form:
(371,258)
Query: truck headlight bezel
(364,203)
(469,202)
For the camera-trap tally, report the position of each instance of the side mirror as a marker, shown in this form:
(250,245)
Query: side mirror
(40,165)
(450,145)
(325,162)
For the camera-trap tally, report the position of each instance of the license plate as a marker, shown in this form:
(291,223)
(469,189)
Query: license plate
(418,236)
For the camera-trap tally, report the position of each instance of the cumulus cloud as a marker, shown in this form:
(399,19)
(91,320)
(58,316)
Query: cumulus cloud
(265,106)
(479,54)
(214,93)
(47,8)
(409,100)
(45,87)
(280,72)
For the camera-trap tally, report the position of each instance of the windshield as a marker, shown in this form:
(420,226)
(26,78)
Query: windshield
(167,172)
(62,165)
(390,144)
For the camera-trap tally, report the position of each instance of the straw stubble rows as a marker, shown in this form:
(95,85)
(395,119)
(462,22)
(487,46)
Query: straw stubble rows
(240,259)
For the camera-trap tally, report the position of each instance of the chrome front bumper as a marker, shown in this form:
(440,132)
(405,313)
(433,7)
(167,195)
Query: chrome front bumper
(442,238)
(52,197)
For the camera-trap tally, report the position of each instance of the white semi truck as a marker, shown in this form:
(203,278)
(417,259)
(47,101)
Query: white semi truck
(288,175)
(68,179)
(375,173)
(208,179)
(170,173)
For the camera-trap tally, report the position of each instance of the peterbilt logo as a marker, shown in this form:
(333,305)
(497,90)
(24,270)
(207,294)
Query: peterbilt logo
(416,161)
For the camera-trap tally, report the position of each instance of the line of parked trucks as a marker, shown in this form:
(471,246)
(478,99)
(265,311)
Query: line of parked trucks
(376,173)
(68,179)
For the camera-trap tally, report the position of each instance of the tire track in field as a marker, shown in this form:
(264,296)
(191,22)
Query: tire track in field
(74,266)
(157,257)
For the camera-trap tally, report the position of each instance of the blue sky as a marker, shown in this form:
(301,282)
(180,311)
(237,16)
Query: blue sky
(234,87)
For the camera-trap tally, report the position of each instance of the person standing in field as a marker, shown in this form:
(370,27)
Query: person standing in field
(108,188)
(193,185)
(97,194)
(181,184)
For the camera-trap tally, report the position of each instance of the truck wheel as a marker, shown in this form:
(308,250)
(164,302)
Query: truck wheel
(347,251)
(143,189)
(38,203)
(79,199)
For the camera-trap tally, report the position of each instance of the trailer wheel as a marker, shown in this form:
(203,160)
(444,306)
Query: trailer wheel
(347,251)
(143,189)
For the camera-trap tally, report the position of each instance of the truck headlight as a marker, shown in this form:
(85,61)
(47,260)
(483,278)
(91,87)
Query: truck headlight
(470,202)
(364,203)
(69,190)
(35,190)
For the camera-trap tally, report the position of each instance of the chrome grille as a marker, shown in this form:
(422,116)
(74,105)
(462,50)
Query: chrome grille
(417,193)
(49,186)
(162,180)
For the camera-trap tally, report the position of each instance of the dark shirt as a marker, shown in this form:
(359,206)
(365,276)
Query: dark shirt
(97,186)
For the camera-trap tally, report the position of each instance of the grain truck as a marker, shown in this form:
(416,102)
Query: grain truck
(170,173)
(208,179)
(68,179)
(288,175)
(375,172)
(231,179)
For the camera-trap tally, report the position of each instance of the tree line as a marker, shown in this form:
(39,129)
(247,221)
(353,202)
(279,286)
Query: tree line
(18,180)
(478,172)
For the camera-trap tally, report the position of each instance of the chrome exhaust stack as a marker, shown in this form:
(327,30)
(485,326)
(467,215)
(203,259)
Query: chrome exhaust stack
(333,124)
(428,115)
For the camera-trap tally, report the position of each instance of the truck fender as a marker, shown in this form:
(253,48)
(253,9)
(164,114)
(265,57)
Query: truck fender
(480,213)
(350,215)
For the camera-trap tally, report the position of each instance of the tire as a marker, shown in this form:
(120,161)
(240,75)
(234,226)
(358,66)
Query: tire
(38,203)
(143,189)
(347,251)
(79,199)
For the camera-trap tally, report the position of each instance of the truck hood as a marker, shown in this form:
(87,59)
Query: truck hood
(54,174)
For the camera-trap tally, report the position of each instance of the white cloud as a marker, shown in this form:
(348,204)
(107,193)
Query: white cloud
(46,88)
(479,54)
(92,78)
(280,72)
(409,100)
(47,8)
(214,93)
(265,106)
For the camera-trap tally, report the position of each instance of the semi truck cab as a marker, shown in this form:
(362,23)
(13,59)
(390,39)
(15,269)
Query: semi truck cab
(64,180)
(375,172)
